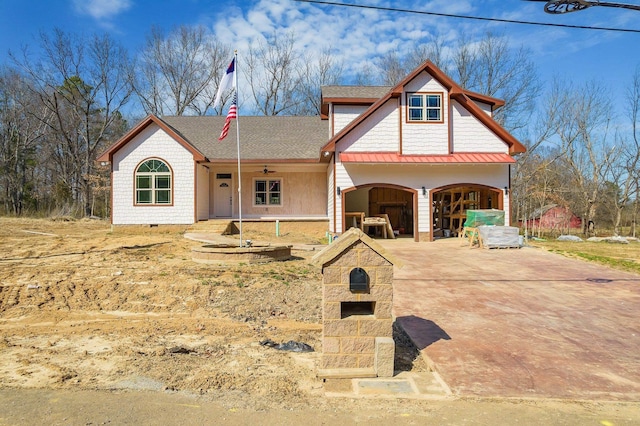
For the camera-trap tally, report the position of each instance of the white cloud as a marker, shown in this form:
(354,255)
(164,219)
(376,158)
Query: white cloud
(101,9)
(357,36)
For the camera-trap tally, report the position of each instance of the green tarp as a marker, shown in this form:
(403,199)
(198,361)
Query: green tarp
(477,218)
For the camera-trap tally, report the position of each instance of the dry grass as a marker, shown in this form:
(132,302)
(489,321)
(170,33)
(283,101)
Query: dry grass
(624,257)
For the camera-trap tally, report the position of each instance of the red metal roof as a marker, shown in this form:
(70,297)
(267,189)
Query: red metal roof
(455,158)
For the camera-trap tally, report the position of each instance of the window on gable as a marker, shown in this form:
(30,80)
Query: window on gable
(267,192)
(424,107)
(153,183)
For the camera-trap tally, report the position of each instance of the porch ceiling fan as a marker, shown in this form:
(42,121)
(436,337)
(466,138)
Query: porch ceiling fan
(266,170)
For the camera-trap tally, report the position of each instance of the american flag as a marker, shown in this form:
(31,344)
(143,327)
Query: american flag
(233,113)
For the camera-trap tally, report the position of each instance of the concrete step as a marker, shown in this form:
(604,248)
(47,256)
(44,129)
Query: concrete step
(215,226)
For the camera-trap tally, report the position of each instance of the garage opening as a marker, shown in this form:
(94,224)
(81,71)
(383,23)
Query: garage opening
(391,207)
(449,206)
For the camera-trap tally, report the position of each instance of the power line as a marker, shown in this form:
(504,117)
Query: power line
(477,18)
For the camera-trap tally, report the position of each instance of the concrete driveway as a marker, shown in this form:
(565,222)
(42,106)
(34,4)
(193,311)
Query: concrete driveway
(520,322)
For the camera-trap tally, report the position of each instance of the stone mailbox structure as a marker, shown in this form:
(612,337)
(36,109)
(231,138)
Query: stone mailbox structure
(357,302)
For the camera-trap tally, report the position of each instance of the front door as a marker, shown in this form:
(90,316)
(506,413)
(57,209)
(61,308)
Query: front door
(222,199)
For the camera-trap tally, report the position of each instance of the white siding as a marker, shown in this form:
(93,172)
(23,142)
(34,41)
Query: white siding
(470,135)
(345,114)
(425,138)
(485,107)
(153,142)
(378,132)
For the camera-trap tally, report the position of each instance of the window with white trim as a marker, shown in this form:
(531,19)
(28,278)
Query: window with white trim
(424,107)
(267,192)
(153,183)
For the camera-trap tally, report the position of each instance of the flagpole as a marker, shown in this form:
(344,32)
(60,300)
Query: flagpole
(235,77)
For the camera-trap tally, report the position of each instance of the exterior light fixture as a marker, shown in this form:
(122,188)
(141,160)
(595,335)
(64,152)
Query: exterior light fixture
(424,191)
(506,190)
(338,192)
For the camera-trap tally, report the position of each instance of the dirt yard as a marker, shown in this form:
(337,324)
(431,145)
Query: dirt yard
(83,306)
(86,308)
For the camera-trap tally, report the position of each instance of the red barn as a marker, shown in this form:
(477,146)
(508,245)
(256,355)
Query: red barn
(553,217)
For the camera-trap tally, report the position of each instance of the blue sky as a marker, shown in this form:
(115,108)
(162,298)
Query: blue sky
(355,35)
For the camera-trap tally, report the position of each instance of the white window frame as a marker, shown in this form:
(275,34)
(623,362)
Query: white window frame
(424,108)
(254,191)
(155,178)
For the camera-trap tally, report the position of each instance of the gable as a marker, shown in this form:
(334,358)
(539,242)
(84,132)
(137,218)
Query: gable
(144,124)
(428,76)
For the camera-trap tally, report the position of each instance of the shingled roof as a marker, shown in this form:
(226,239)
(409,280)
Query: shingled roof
(354,92)
(271,138)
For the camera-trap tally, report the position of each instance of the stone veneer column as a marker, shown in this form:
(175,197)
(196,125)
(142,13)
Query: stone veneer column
(350,343)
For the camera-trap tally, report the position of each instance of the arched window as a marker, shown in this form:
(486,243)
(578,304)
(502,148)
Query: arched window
(153,183)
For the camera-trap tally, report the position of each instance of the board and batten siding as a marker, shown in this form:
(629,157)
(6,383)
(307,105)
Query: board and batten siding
(153,142)
(414,176)
(470,135)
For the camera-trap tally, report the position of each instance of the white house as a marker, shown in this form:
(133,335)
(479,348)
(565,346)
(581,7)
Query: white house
(422,153)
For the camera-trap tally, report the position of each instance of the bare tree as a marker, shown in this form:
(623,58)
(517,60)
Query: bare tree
(493,68)
(82,85)
(488,66)
(178,73)
(314,73)
(584,140)
(434,51)
(633,99)
(622,173)
(272,72)
(541,158)
(20,133)
(393,68)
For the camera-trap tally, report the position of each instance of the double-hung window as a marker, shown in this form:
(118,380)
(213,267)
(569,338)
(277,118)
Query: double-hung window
(267,192)
(424,107)
(153,183)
